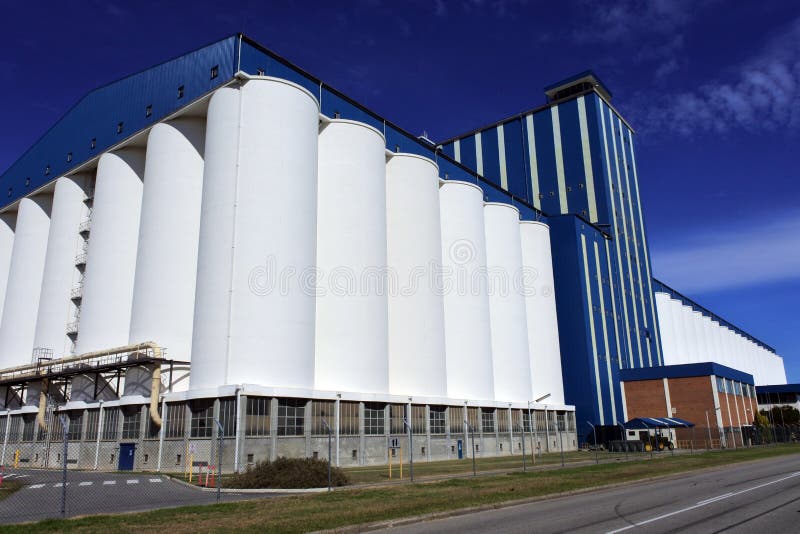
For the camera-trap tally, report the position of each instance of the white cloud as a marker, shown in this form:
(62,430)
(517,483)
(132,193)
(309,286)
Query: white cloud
(762,94)
(745,254)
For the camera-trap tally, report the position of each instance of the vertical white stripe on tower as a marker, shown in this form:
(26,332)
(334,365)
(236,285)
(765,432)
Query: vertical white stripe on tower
(587,161)
(562,187)
(644,246)
(533,162)
(591,329)
(501,151)
(627,245)
(616,240)
(457,150)
(613,302)
(635,240)
(478,153)
(605,331)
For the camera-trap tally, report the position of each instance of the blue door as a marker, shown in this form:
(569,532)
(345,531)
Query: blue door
(460,450)
(127,452)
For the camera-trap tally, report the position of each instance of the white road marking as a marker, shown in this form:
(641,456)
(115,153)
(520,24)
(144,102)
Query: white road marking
(702,503)
(133,481)
(36,486)
(109,482)
(155,480)
(60,485)
(86,483)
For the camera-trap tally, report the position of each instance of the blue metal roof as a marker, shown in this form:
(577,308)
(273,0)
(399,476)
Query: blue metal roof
(779,388)
(658,422)
(686,370)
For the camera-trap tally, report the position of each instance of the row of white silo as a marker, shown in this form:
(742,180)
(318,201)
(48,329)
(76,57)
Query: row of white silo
(690,336)
(269,247)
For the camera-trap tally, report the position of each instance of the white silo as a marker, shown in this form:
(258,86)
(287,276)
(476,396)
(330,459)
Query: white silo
(701,355)
(666,326)
(708,340)
(7,222)
(166,261)
(24,280)
(687,319)
(540,308)
(61,276)
(681,354)
(466,303)
(111,259)
(254,304)
(509,331)
(417,364)
(351,309)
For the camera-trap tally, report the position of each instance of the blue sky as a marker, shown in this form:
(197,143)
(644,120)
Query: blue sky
(712,88)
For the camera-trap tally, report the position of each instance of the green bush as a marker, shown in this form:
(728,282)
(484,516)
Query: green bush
(289,473)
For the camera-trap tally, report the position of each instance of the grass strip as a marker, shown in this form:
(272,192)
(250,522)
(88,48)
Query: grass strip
(365,505)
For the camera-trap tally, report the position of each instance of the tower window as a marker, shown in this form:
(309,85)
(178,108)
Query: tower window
(180,91)
(119,127)
(214,71)
(28,181)
(69,157)
(148,111)
(260,72)
(47,170)
(10,190)
(93,143)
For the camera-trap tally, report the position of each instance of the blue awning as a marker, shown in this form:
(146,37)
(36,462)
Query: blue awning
(658,422)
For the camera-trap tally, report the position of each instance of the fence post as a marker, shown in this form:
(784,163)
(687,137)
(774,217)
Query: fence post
(65,427)
(220,434)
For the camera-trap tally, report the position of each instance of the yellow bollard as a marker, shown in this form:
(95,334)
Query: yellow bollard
(191,467)
(16,459)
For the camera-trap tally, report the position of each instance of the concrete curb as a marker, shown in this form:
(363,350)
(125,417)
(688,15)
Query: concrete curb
(403,521)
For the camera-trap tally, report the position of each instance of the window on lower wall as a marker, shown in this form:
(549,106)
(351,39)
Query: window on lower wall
(92,420)
(487,420)
(473,418)
(516,420)
(75,428)
(291,417)
(396,414)
(322,409)
(110,423)
(374,418)
(131,422)
(456,414)
(418,419)
(202,418)
(257,417)
(348,418)
(14,428)
(437,419)
(227,416)
(502,420)
(29,423)
(175,420)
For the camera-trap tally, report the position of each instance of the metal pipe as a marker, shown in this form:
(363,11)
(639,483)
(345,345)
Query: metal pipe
(43,404)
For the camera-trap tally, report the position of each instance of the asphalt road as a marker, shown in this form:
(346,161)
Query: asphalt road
(97,493)
(762,496)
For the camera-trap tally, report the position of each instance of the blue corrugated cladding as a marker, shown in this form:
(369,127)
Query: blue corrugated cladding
(572,152)
(98,115)
(591,372)
(517,165)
